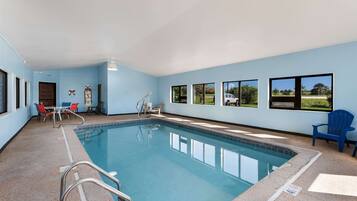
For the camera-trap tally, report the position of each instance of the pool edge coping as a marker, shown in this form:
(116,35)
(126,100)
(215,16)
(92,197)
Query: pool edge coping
(272,185)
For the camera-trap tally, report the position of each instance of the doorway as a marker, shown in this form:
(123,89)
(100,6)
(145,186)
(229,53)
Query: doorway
(100,103)
(47,93)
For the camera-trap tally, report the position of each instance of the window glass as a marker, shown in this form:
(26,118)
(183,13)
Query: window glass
(316,93)
(179,94)
(176,94)
(198,94)
(231,93)
(184,92)
(283,93)
(25,93)
(3,92)
(209,96)
(17,92)
(249,93)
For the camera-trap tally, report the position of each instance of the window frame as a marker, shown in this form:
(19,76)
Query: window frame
(17,93)
(6,92)
(298,94)
(240,92)
(180,95)
(204,93)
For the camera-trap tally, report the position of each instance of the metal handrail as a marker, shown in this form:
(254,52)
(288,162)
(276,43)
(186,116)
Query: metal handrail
(89,164)
(143,101)
(121,196)
(55,125)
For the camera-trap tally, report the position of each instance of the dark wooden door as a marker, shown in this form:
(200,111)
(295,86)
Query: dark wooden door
(47,93)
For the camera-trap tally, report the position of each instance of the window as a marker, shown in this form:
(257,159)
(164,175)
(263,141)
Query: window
(179,94)
(25,93)
(3,92)
(204,94)
(17,93)
(313,92)
(241,93)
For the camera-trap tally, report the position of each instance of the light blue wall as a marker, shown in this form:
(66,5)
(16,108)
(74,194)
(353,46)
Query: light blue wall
(126,87)
(78,79)
(14,119)
(65,79)
(341,60)
(120,89)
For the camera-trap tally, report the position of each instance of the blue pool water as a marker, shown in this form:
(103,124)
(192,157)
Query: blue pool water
(164,162)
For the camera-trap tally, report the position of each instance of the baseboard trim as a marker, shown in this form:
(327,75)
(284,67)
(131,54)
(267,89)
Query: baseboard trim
(14,136)
(120,114)
(243,125)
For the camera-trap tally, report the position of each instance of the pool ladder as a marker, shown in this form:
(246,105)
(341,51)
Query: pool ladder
(142,103)
(64,192)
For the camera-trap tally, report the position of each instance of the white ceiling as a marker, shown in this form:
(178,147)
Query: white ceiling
(163,37)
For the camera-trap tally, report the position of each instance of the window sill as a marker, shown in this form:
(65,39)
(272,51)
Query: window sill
(301,110)
(5,114)
(203,104)
(231,106)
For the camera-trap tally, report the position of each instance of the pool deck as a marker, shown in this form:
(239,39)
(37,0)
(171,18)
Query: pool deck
(30,165)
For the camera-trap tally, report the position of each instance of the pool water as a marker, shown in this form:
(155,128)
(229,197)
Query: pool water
(164,162)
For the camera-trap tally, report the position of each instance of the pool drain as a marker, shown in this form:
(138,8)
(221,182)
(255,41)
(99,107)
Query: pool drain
(292,190)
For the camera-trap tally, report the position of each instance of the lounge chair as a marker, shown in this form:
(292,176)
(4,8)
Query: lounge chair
(339,123)
(152,109)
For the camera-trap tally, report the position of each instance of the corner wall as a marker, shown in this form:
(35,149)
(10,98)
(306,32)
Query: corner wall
(14,119)
(126,86)
(341,60)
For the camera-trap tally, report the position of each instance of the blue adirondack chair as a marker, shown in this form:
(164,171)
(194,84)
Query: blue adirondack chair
(339,123)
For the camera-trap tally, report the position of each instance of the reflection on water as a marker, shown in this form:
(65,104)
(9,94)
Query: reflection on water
(231,162)
(145,133)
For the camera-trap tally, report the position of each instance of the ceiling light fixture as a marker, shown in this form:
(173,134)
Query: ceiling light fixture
(112,65)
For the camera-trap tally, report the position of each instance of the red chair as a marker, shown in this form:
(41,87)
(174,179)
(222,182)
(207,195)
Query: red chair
(73,108)
(42,112)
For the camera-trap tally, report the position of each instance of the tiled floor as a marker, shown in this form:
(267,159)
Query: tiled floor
(29,166)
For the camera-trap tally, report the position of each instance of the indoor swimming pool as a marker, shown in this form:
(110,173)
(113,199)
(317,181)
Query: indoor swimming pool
(163,161)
